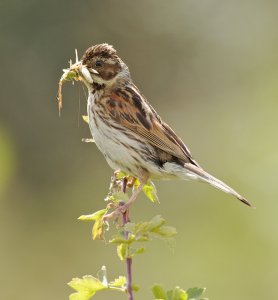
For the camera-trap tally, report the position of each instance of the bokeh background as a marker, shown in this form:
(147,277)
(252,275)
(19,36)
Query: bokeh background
(210,68)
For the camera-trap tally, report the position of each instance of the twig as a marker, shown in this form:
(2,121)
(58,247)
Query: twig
(128,259)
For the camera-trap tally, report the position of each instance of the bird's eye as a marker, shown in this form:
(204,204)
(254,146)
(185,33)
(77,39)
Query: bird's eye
(98,63)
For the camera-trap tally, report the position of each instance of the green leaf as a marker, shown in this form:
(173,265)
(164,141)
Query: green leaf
(150,191)
(159,293)
(166,231)
(178,294)
(119,282)
(98,227)
(135,251)
(122,251)
(135,287)
(195,293)
(119,240)
(144,231)
(117,197)
(130,227)
(120,175)
(93,217)
(156,222)
(85,287)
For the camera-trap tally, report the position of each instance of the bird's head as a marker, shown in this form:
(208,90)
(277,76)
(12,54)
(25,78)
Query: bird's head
(102,65)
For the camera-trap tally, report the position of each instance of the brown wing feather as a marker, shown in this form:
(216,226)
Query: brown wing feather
(128,108)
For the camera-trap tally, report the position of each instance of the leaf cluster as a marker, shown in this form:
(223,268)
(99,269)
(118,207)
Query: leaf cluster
(129,239)
(178,294)
(141,232)
(87,286)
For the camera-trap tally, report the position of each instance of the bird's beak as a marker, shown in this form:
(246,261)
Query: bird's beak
(94,71)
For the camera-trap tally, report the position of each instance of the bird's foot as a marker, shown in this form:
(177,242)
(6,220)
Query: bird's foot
(119,210)
(122,208)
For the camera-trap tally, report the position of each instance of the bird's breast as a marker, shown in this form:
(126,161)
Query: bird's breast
(120,148)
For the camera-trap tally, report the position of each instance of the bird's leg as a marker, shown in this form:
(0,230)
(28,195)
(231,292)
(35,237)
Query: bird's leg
(132,198)
(144,176)
(123,208)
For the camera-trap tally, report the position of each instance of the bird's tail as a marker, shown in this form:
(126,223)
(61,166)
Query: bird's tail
(201,174)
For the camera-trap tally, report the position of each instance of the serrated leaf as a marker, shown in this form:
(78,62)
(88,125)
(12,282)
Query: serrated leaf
(156,222)
(117,197)
(86,287)
(122,251)
(98,227)
(177,294)
(166,231)
(137,232)
(195,293)
(119,282)
(159,293)
(145,227)
(144,231)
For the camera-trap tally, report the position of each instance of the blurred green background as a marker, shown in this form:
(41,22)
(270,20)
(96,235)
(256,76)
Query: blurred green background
(210,68)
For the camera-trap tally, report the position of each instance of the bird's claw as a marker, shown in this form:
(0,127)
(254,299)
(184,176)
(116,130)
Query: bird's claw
(114,215)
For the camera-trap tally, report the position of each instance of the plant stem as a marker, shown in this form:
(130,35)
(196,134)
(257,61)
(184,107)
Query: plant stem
(128,259)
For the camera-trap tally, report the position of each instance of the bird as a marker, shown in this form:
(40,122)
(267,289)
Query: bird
(127,129)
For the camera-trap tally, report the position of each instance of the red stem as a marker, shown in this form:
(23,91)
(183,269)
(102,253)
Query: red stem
(128,259)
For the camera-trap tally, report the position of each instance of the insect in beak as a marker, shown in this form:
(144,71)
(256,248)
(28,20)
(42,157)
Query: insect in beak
(84,71)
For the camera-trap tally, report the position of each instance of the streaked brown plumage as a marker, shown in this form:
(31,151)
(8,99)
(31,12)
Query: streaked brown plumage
(128,131)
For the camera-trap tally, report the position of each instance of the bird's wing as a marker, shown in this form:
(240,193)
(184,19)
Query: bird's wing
(131,110)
